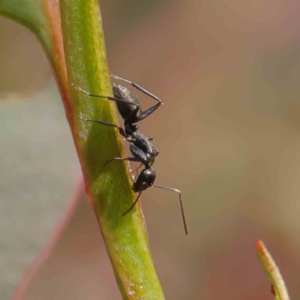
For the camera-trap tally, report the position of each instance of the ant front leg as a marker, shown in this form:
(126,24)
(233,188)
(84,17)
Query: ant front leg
(136,169)
(132,205)
(134,177)
(180,202)
(124,158)
(150,110)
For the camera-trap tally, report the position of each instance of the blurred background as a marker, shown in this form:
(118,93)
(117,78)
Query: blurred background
(228,135)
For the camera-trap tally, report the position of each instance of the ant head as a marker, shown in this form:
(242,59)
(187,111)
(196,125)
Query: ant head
(144,180)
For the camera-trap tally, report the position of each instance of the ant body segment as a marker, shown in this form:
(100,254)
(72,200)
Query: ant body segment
(141,149)
(128,106)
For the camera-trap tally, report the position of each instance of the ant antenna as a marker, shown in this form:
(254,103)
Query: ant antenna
(180,202)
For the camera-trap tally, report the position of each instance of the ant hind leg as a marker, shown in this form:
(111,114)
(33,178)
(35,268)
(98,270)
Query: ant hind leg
(121,130)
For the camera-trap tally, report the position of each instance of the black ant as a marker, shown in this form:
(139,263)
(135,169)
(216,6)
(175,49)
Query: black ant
(129,108)
(142,150)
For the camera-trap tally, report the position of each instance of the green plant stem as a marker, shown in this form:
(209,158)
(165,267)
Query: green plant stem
(108,188)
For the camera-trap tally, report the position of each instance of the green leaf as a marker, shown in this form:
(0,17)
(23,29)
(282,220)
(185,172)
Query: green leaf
(42,17)
(29,13)
(108,187)
(278,286)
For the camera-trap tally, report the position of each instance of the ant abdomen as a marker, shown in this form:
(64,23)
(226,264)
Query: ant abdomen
(130,113)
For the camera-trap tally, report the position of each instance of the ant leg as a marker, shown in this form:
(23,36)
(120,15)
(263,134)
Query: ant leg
(138,87)
(123,158)
(134,177)
(133,204)
(121,130)
(136,169)
(98,96)
(180,201)
(137,153)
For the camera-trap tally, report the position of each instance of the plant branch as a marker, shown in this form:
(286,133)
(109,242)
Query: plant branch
(108,187)
(272,271)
